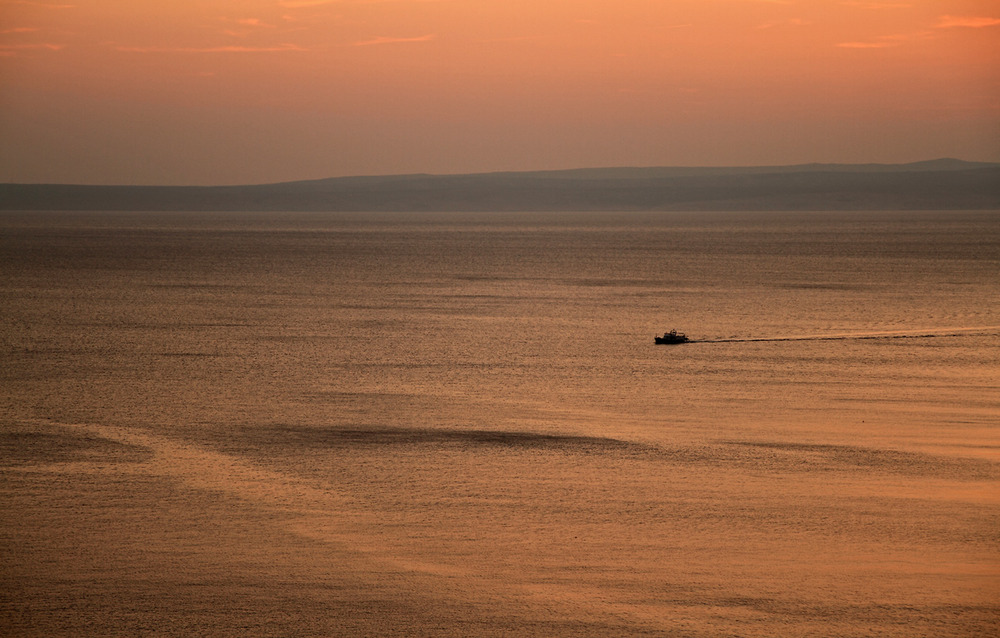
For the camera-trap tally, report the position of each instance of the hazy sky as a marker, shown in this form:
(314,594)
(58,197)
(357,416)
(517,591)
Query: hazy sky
(249,91)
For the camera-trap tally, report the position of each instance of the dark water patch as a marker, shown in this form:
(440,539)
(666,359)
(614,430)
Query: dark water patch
(866,615)
(820,338)
(34,444)
(202,286)
(363,306)
(298,338)
(469,438)
(946,618)
(132,325)
(479,297)
(498,297)
(488,279)
(493,278)
(46,351)
(104,350)
(984,331)
(339,394)
(196,355)
(594,282)
(814,456)
(839,287)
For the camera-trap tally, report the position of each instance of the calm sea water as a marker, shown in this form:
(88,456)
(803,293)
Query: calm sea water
(458,424)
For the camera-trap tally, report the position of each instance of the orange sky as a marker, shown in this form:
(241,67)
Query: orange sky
(244,91)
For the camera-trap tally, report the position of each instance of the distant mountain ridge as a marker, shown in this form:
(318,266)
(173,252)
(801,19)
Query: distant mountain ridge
(929,185)
(648,172)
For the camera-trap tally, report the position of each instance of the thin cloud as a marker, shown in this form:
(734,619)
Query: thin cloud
(244,27)
(19,30)
(791,22)
(886,41)
(44,5)
(880,44)
(8,50)
(950,22)
(253,22)
(41,45)
(301,4)
(220,49)
(383,40)
(944,22)
(878,5)
(516,38)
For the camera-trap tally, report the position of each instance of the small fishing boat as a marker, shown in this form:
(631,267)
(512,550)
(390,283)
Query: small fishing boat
(671,337)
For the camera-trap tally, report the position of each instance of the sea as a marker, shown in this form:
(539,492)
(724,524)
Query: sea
(458,424)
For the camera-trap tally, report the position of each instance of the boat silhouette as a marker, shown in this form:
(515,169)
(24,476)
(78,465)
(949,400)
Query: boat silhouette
(671,337)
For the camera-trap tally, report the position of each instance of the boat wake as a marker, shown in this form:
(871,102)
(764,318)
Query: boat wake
(857,336)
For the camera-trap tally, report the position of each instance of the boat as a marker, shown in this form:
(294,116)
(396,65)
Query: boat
(671,337)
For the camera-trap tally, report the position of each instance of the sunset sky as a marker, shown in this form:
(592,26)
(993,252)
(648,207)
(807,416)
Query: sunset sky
(250,91)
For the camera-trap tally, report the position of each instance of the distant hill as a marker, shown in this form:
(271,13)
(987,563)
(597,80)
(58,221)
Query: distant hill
(932,185)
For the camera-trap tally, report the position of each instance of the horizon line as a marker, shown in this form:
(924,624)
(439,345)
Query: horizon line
(653,167)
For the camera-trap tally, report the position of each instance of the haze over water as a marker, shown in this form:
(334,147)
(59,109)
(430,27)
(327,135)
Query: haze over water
(458,424)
